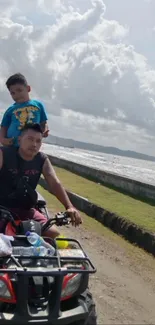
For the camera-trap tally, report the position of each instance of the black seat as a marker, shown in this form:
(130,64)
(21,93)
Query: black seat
(41,200)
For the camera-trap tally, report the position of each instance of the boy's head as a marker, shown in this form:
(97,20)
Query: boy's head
(18,88)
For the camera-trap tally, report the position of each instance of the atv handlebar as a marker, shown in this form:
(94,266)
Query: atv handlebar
(60,219)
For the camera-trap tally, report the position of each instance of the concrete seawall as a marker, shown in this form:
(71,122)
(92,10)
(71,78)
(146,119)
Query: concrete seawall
(130,186)
(121,226)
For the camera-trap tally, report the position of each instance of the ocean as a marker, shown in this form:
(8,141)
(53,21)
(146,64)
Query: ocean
(141,170)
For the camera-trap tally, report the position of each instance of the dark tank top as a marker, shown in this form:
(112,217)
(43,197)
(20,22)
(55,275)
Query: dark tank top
(14,167)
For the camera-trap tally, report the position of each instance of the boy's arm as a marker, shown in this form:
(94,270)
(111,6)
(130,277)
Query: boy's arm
(6,120)
(45,129)
(3,139)
(43,121)
(3,132)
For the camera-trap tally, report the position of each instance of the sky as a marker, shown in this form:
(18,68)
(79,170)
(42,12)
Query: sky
(91,62)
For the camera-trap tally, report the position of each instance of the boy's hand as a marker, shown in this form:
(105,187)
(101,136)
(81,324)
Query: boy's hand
(7,141)
(45,134)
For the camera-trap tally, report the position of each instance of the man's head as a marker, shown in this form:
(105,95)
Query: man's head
(30,140)
(18,88)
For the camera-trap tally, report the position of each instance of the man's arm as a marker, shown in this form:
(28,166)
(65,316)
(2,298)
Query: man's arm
(1,159)
(54,184)
(56,188)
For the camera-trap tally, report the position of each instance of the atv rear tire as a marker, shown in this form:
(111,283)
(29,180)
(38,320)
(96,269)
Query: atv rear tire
(92,317)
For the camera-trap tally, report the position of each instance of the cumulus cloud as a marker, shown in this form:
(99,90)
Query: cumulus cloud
(81,64)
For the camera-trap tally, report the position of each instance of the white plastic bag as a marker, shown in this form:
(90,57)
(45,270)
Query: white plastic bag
(5,245)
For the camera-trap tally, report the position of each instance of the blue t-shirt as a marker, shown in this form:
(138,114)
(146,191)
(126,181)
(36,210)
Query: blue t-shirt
(19,114)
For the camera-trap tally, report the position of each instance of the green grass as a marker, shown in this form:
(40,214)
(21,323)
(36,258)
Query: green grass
(139,212)
(54,206)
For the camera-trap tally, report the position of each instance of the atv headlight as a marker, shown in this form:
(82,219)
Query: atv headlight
(71,284)
(4,292)
(6,289)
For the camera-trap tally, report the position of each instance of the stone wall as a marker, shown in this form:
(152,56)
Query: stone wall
(117,224)
(124,184)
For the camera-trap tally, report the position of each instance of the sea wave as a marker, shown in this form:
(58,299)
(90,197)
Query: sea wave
(141,170)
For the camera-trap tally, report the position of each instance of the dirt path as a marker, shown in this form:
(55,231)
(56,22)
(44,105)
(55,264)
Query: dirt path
(123,287)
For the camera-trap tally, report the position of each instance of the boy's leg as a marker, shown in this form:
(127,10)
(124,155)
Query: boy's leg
(38,216)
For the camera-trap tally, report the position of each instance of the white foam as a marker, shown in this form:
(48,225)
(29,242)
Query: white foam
(141,170)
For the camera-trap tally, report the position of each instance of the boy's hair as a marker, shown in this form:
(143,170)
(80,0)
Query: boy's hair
(16,78)
(35,127)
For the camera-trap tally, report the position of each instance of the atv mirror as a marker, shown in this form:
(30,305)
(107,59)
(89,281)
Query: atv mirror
(5,214)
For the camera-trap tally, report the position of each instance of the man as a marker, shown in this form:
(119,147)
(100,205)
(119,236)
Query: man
(27,162)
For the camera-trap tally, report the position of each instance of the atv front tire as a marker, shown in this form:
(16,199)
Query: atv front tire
(92,317)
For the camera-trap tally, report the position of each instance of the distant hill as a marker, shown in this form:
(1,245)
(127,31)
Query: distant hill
(94,147)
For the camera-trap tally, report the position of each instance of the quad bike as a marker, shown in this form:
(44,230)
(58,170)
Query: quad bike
(46,289)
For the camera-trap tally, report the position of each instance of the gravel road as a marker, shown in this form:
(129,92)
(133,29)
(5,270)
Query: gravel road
(124,285)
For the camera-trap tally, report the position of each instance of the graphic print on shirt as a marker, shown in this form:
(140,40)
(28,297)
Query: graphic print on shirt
(25,115)
(27,172)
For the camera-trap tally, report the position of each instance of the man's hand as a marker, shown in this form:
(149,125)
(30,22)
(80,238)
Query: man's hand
(7,141)
(75,216)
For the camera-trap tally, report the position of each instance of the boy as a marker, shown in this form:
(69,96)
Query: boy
(23,111)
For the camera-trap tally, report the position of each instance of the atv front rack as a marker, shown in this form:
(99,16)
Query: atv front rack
(58,265)
(51,271)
